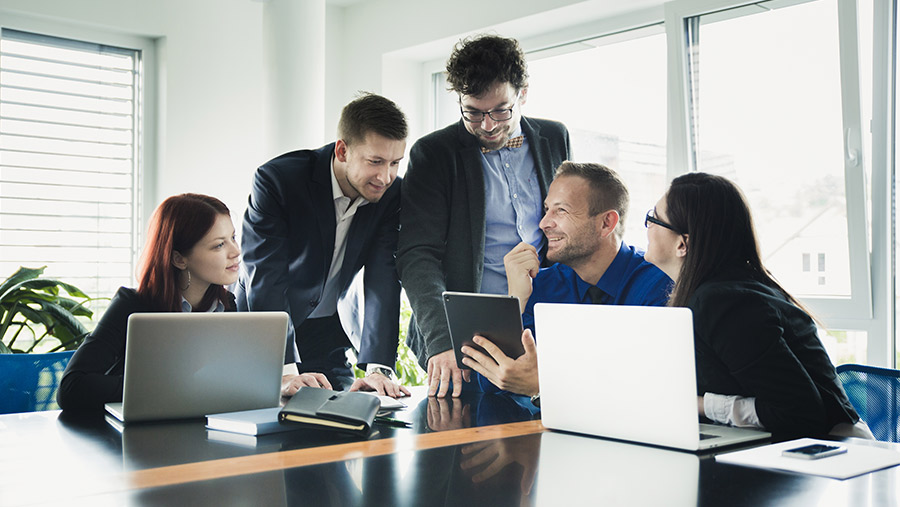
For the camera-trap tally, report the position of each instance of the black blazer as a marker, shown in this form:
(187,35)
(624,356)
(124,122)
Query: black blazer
(443,219)
(96,371)
(751,341)
(288,244)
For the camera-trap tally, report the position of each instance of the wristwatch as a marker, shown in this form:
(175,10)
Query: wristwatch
(536,400)
(384,371)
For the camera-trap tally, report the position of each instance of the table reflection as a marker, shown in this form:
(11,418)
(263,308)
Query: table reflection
(618,473)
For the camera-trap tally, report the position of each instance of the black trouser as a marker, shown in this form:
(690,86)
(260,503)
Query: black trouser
(323,349)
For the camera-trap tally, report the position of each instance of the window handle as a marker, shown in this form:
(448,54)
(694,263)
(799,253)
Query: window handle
(852,154)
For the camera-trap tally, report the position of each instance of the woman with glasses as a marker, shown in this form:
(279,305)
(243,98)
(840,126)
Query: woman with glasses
(760,362)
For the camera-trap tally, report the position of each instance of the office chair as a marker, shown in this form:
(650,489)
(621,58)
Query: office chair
(875,394)
(28,382)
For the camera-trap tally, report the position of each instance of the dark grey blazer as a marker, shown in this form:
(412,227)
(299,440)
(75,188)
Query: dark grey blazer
(288,243)
(442,220)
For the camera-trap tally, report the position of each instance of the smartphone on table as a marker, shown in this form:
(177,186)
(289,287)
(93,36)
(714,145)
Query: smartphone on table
(814,451)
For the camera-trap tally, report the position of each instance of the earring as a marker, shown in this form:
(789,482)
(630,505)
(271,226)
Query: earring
(189,280)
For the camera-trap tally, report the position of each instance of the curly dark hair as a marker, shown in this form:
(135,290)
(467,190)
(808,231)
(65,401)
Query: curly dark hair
(480,61)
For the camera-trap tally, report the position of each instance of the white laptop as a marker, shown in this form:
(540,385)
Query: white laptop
(181,365)
(624,372)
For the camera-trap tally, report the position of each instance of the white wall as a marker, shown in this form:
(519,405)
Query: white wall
(388,44)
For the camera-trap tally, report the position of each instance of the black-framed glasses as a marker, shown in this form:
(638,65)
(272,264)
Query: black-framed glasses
(496,114)
(650,219)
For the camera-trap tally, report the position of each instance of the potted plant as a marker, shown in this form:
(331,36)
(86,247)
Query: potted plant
(32,310)
(35,306)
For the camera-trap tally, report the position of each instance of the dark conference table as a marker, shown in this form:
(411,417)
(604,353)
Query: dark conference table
(476,450)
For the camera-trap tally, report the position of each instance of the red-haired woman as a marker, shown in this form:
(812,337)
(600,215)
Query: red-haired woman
(189,258)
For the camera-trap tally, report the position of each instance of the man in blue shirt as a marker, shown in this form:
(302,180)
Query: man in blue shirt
(584,222)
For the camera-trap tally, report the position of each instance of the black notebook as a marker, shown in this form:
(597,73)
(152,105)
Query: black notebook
(331,410)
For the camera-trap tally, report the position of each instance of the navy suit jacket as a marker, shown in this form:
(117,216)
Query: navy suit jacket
(288,244)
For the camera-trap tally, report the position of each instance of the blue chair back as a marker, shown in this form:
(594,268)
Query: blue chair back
(875,394)
(28,382)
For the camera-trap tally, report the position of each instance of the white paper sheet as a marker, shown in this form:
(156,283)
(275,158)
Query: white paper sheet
(859,459)
(386,401)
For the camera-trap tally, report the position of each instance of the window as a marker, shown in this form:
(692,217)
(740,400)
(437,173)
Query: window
(770,95)
(613,108)
(69,159)
(769,110)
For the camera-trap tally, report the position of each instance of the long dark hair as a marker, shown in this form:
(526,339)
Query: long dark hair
(714,214)
(176,225)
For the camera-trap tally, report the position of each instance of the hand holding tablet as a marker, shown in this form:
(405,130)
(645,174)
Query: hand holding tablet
(496,317)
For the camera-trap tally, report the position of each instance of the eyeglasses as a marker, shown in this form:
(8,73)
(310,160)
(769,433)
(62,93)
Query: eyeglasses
(496,114)
(650,219)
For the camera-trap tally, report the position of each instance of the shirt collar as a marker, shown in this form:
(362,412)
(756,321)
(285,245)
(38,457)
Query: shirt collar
(186,307)
(611,281)
(518,130)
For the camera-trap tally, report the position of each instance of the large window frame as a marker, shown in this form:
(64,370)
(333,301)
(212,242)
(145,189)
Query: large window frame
(678,18)
(145,124)
(870,305)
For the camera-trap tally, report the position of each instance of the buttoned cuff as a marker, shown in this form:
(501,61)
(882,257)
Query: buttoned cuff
(732,410)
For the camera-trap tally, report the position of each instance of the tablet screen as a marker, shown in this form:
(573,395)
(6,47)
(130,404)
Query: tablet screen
(494,316)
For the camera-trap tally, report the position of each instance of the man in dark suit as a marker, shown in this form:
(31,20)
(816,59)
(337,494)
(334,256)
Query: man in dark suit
(315,219)
(472,192)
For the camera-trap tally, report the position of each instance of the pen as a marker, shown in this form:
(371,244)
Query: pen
(389,421)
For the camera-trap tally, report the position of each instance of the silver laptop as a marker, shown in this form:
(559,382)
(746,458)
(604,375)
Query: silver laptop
(180,365)
(624,372)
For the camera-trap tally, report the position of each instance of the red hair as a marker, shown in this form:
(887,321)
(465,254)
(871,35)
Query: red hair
(177,225)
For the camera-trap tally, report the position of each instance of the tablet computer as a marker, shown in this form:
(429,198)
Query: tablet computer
(494,316)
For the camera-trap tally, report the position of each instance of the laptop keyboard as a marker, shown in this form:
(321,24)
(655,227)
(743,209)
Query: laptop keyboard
(707,436)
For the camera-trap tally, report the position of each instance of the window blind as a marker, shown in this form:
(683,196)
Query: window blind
(69,159)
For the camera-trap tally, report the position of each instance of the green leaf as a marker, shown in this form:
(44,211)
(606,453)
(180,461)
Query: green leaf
(39,303)
(52,285)
(42,284)
(75,308)
(21,275)
(61,316)
(36,316)
(72,290)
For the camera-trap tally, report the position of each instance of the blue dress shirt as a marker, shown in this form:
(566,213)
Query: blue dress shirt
(513,209)
(629,280)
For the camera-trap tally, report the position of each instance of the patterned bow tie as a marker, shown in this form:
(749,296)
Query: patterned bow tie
(514,142)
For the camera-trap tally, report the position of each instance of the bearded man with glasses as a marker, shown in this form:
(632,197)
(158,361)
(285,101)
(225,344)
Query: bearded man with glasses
(473,190)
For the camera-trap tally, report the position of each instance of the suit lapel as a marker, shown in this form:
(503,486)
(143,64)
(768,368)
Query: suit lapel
(540,151)
(323,203)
